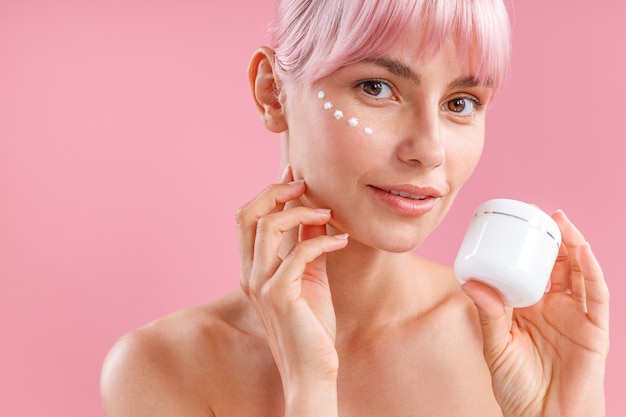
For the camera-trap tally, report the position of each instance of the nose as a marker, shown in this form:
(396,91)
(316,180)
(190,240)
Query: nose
(421,143)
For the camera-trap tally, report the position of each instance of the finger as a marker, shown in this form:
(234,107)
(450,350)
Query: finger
(286,176)
(595,286)
(568,275)
(494,321)
(318,266)
(269,236)
(286,284)
(270,200)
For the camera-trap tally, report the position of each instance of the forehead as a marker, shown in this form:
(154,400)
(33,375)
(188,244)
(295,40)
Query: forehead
(407,55)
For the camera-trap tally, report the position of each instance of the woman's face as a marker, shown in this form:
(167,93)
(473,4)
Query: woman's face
(387,143)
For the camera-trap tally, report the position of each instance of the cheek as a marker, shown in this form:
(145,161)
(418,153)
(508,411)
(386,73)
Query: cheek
(343,117)
(330,146)
(325,131)
(463,158)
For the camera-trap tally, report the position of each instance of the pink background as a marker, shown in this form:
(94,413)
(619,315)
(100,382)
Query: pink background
(128,140)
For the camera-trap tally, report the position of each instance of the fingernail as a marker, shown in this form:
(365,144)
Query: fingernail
(296,182)
(323,210)
(341,237)
(285,173)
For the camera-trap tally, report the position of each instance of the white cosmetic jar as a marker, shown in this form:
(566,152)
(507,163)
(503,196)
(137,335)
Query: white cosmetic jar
(512,247)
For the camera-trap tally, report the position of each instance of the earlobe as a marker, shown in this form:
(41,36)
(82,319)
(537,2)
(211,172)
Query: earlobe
(265,90)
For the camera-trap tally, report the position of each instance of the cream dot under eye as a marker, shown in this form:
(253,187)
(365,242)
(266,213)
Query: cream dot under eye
(338,114)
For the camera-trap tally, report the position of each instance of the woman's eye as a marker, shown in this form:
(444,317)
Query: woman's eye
(462,106)
(377,89)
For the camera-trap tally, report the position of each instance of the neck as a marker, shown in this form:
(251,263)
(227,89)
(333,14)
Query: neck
(372,287)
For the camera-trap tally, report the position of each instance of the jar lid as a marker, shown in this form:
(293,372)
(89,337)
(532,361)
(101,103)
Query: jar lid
(524,212)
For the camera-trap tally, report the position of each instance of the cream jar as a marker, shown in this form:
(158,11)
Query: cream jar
(512,247)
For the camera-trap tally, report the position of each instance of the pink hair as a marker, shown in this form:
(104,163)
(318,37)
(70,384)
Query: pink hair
(313,38)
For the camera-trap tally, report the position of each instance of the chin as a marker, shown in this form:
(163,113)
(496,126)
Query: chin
(398,242)
(402,247)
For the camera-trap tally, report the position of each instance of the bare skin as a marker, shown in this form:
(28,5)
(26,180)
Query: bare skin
(327,324)
(214,360)
(413,359)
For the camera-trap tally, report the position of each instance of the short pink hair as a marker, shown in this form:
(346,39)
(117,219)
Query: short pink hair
(313,38)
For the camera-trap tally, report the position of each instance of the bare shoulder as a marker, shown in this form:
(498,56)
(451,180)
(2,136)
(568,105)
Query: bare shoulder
(447,348)
(455,317)
(171,367)
(445,286)
(456,307)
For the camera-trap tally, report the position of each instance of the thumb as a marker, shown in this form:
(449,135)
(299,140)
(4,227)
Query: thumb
(494,321)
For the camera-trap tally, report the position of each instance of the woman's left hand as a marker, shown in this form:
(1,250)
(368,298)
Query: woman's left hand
(549,359)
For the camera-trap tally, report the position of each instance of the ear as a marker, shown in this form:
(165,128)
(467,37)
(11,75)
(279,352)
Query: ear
(265,90)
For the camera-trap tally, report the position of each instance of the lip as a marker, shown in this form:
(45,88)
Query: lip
(407,199)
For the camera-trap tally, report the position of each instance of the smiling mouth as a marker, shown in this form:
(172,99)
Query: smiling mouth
(407,195)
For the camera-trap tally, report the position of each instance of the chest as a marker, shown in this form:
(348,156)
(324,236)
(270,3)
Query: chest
(428,373)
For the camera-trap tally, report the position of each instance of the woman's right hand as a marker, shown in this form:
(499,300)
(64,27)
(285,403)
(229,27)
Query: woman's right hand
(291,294)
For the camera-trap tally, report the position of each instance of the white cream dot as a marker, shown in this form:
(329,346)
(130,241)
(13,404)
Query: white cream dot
(368,131)
(321,94)
(328,105)
(353,121)
(338,114)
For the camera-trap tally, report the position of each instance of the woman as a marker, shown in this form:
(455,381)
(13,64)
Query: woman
(381,110)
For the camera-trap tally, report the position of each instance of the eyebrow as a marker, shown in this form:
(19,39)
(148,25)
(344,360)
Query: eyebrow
(403,70)
(395,67)
(464,82)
